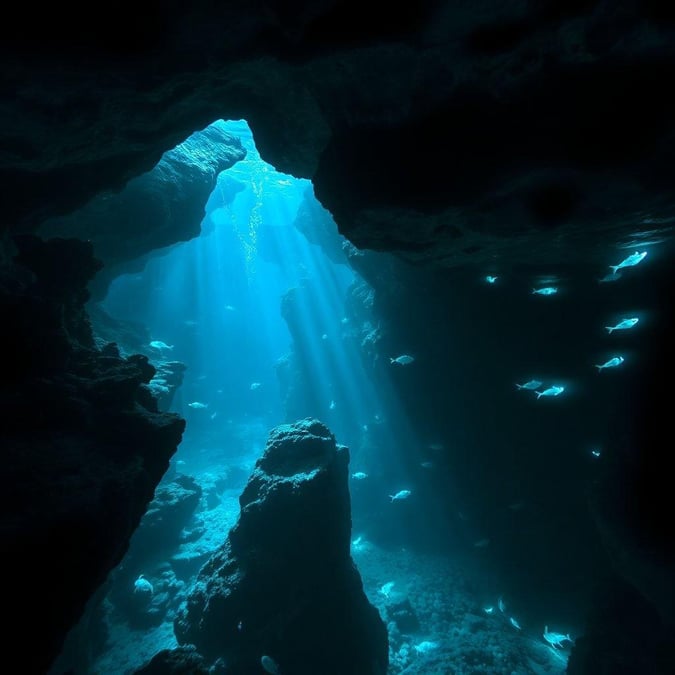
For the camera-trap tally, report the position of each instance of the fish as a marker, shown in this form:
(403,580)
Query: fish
(491,279)
(425,646)
(547,290)
(230,308)
(254,386)
(427,465)
(595,453)
(386,589)
(630,261)
(324,336)
(402,360)
(612,363)
(489,609)
(481,543)
(624,324)
(501,605)
(196,405)
(610,276)
(436,446)
(556,639)
(269,665)
(142,585)
(553,390)
(531,384)
(331,405)
(514,623)
(359,475)
(400,495)
(160,346)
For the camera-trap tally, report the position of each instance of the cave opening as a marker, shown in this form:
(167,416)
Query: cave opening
(443,385)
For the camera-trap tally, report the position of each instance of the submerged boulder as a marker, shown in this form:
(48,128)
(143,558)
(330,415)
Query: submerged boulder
(284,584)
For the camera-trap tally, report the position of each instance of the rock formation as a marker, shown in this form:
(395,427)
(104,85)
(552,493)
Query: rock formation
(84,445)
(284,584)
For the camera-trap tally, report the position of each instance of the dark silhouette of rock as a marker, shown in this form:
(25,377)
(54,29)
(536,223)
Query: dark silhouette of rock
(168,200)
(84,446)
(284,584)
(180,661)
(448,133)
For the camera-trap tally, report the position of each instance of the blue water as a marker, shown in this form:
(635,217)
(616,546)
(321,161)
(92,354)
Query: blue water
(266,324)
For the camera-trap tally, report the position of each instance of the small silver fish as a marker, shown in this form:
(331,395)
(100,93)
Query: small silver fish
(427,465)
(612,363)
(553,390)
(402,360)
(269,665)
(160,346)
(359,475)
(481,543)
(625,324)
(514,623)
(386,589)
(532,384)
(491,279)
(609,277)
(255,385)
(197,405)
(332,405)
(556,639)
(501,605)
(142,585)
(630,261)
(425,646)
(401,494)
(547,290)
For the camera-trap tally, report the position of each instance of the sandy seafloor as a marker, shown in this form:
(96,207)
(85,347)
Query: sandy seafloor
(448,596)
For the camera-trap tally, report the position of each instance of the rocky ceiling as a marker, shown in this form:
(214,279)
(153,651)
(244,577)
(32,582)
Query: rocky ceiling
(451,132)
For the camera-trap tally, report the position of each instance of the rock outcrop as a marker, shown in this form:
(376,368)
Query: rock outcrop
(284,584)
(84,445)
(448,133)
(154,210)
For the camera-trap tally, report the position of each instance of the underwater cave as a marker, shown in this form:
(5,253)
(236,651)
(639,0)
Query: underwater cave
(338,346)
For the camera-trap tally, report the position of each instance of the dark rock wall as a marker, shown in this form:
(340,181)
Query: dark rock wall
(451,134)
(84,445)
(154,210)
